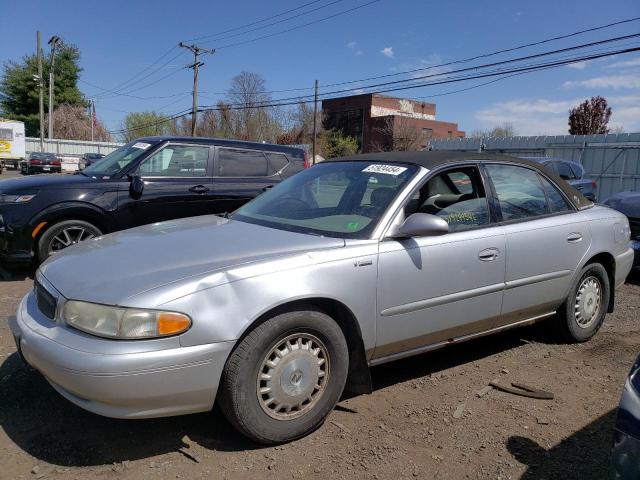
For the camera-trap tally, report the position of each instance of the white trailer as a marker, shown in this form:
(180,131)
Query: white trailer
(12,143)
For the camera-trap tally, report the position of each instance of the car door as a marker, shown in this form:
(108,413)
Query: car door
(241,174)
(434,289)
(546,240)
(177,183)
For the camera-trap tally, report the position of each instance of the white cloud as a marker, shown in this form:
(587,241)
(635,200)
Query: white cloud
(625,64)
(578,65)
(387,52)
(549,117)
(424,66)
(353,46)
(608,81)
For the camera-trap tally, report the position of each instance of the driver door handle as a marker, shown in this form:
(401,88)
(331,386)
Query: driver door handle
(199,189)
(488,254)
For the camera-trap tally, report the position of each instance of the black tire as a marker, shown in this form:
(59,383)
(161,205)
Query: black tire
(248,411)
(572,326)
(48,244)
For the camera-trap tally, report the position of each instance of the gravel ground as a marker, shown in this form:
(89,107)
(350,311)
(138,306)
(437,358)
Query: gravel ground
(424,419)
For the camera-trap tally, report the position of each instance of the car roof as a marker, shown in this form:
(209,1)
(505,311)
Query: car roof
(271,147)
(434,159)
(550,159)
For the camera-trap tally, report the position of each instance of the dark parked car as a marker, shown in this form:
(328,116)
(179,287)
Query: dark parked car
(629,204)
(40,162)
(624,463)
(571,172)
(89,159)
(145,181)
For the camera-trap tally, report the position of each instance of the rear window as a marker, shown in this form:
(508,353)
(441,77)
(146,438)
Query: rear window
(241,163)
(277,161)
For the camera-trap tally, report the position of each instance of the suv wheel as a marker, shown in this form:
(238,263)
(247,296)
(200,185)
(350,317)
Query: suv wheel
(583,312)
(64,234)
(284,378)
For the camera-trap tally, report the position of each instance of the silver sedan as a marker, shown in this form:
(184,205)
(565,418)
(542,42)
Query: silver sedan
(274,311)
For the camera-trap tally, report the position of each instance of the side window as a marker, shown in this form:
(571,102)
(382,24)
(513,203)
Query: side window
(457,196)
(557,202)
(564,170)
(519,191)
(277,161)
(176,161)
(241,163)
(577,170)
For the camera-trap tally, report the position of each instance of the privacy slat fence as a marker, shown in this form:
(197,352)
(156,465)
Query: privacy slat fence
(611,160)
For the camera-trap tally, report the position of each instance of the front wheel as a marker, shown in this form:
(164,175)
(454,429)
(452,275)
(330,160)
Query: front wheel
(582,314)
(284,378)
(64,234)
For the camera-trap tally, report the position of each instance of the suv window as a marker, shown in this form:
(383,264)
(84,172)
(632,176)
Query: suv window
(456,195)
(577,169)
(519,191)
(564,170)
(241,163)
(176,161)
(277,161)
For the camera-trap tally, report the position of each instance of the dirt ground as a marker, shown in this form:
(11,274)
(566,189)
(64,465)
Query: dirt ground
(424,419)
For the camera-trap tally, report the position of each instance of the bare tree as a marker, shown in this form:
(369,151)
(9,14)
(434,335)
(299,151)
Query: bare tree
(590,117)
(247,94)
(74,123)
(399,134)
(503,130)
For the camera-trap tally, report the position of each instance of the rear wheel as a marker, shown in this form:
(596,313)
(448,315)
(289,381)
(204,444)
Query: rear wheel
(582,314)
(64,234)
(284,378)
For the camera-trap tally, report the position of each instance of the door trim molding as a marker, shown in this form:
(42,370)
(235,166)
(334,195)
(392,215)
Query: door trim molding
(441,300)
(521,282)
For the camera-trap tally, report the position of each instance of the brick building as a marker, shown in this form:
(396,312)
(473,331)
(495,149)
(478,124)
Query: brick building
(376,120)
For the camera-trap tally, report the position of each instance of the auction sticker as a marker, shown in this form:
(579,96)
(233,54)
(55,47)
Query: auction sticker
(141,145)
(388,169)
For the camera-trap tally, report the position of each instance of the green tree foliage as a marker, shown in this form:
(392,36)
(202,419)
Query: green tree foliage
(145,124)
(19,89)
(335,144)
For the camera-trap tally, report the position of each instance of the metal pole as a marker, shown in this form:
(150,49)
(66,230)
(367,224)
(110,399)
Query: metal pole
(315,121)
(93,115)
(40,91)
(53,41)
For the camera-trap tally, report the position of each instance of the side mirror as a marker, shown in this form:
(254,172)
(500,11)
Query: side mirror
(136,186)
(422,225)
(564,177)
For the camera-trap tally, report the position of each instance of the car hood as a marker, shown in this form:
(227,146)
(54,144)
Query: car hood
(34,183)
(112,268)
(625,202)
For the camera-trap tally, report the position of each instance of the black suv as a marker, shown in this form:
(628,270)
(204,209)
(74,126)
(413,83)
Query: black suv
(145,181)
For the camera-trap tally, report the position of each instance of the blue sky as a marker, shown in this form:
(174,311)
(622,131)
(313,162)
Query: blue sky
(119,39)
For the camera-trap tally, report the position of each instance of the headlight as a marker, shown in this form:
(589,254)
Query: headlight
(125,323)
(15,198)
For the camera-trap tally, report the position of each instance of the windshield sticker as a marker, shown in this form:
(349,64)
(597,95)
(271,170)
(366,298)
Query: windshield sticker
(387,169)
(141,145)
(352,226)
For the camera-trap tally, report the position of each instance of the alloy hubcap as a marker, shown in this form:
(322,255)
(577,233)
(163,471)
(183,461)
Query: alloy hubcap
(293,376)
(67,237)
(588,302)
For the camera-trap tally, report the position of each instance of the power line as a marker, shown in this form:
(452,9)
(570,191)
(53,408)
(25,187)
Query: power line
(502,73)
(297,27)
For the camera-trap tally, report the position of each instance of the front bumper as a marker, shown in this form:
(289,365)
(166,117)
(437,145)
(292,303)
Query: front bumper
(125,383)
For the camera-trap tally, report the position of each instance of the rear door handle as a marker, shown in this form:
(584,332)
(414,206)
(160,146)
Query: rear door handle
(574,237)
(199,189)
(489,254)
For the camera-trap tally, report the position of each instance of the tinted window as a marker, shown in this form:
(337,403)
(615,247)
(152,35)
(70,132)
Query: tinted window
(577,169)
(277,161)
(564,170)
(519,191)
(457,196)
(177,161)
(557,202)
(241,163)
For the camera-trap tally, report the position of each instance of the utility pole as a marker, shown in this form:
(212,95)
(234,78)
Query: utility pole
(40,90)
(315,121)
(197,51)
(93,116)
(53,41)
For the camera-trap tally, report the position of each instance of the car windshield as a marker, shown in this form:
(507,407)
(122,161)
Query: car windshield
(117,160)
(335,199)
